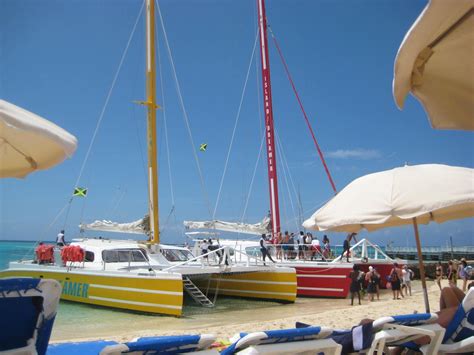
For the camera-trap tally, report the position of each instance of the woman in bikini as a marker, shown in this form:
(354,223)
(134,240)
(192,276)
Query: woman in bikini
(439,274)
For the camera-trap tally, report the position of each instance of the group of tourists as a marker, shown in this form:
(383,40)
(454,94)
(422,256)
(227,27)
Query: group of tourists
(463,271)
(303,246)
(399,280)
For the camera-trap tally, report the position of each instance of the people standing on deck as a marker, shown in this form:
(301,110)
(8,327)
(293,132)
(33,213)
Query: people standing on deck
(347,245)
(327,247)
(407,276)
(205,249)
(452,274)
(439,274)
(355,283)
(285,245)
(264,250)
(395,280)
(60,241)
(278,242)
(308,239)
(316,249)
(293,246)
(301,245)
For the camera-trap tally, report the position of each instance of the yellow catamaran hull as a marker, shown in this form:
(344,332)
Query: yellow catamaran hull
(161,294)
(277,284)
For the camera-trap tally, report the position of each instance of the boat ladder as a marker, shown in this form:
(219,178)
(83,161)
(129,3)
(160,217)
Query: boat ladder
(196,293)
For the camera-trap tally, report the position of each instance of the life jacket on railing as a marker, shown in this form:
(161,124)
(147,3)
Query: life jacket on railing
(44,254)
(73,253)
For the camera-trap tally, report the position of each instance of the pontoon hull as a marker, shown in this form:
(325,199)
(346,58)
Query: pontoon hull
(326,280)
(150,294)
(276,284)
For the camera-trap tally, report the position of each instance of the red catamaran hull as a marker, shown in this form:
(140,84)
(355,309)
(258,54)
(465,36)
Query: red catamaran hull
(324,280)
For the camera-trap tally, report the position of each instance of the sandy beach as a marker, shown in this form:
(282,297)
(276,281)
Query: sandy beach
(335,313)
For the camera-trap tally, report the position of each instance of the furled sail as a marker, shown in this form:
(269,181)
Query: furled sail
(258,228)
(142,226)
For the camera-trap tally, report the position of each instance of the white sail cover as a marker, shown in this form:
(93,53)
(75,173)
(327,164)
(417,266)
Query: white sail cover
(137,227)
(257,229)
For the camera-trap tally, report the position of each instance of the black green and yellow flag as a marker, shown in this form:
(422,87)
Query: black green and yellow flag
(80,191)
(203,147)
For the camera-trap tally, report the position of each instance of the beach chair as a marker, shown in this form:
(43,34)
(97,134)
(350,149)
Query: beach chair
(79,348)
(379,335)
(402,329)
(28,309)
(310,340)
(176,344)
(459,336)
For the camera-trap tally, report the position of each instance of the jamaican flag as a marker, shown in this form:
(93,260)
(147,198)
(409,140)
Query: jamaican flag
(80,192)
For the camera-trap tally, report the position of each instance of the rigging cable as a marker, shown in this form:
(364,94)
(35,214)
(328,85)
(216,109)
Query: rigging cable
(304,112)
(253,178)
(235,126)
(165,129)
(102,113)
(286,173)
(185,115)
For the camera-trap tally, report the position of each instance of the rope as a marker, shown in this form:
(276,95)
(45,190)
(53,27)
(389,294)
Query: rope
(304,113)
(235,127)
(101,116)
(253,178)
(185,115)
(285,173)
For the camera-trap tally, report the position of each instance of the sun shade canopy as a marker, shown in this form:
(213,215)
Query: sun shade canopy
(435,63)
(29,142)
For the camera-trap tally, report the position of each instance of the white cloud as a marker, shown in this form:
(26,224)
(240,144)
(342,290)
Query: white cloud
(363,154)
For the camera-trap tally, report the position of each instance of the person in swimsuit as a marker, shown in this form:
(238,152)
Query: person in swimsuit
(371,283)
(395,279)
(452,274)
(347,245)
(439,274)
(355,283)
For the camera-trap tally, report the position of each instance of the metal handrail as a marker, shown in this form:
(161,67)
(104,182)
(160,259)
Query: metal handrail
(200,257)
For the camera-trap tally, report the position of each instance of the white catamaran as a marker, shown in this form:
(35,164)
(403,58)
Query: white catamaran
(149,276)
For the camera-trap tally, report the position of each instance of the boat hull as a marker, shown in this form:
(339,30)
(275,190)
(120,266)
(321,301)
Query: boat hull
(322,279)
(276,284)
(156,294)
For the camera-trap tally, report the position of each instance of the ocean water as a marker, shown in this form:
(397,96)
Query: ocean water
(79,321)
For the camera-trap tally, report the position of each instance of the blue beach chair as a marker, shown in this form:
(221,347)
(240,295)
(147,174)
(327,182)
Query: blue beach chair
(310,340)
(28,309)
(401,329)
(178,344)
(459,336)
(377,336)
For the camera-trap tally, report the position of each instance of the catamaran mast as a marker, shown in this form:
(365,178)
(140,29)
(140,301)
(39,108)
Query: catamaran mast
(151,126)
(267,106)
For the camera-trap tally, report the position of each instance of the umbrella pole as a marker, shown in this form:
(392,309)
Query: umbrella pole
(422,266)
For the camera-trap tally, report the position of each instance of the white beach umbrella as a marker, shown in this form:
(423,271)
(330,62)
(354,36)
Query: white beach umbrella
(435,62)
(29,142)
(402,196)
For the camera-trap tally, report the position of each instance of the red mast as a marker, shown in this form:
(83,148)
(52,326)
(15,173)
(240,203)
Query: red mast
(267,107)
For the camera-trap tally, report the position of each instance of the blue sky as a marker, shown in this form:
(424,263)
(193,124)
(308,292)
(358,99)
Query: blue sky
(58,59)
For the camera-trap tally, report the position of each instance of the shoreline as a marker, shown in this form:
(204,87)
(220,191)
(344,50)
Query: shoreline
(333,313)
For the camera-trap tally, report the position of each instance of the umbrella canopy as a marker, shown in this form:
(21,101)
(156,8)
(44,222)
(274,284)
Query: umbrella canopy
(29,142)
(429,192)
(401,196)
(435,62)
